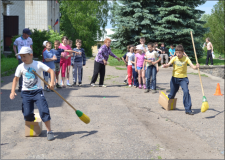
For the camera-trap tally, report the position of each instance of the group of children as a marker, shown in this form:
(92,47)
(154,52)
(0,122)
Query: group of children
(142,64)
(62,57)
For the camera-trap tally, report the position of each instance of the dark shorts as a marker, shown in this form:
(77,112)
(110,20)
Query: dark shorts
(37,97)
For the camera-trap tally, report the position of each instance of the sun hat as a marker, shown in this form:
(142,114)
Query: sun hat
(140,47)
(25,50)
(44,43)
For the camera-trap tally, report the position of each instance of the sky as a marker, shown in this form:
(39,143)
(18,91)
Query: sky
(207,7)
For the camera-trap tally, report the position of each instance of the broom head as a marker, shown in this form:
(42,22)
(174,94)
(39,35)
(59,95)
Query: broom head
(83,116)
(205,105)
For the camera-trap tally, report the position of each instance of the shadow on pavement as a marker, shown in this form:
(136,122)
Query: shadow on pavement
(62,135)
(214,115)
(117,85)
(99,96)
(196,111)
(16,104)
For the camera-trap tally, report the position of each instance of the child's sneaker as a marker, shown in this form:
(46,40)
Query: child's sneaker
(102,85)
(140,86)
(58,86)
(129,85)
(154,91)
(68,84)
(50,136)
(144,86)
(93,85)
(47,89)
(189,113)
(125,81)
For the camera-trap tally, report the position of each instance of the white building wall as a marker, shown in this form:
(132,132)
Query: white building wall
(36,15)
(53,14)
(40,14)
(17,9)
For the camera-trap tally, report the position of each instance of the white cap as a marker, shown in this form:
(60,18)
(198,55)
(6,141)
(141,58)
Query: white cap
(26,50)
(140,47)
(44,43)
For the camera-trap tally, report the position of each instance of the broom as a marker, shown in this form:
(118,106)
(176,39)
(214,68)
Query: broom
(80,114)
(205,105)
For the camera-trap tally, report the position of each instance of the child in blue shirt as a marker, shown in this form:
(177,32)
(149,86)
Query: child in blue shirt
(172,51)
(49,58)
(79,61)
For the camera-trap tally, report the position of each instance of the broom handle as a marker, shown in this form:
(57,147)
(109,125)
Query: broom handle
(54,90)
(196,63)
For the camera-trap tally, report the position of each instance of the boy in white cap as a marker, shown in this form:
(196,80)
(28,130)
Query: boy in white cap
(20,42)
(32,89)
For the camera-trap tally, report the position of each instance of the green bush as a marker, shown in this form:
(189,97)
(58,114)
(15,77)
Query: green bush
(38,38)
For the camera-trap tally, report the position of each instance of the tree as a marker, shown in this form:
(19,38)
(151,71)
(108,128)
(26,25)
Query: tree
(162,21)
(133,19)
(84,20)
(215,23)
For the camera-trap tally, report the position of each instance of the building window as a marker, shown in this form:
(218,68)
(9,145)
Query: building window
(99,45)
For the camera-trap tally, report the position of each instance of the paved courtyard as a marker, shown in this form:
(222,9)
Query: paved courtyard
(127,123)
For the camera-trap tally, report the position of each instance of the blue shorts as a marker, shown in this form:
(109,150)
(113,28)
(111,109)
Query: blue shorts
(139,68)
(37,97)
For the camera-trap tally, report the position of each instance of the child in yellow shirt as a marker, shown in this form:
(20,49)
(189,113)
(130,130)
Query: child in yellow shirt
(179,77)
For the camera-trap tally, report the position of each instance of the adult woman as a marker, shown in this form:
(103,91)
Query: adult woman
(64,58)
(100,62)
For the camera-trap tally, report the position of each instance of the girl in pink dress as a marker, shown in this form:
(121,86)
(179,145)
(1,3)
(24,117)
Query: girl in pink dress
(64,58)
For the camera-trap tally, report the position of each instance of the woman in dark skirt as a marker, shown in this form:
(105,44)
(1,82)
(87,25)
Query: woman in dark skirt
(100,62)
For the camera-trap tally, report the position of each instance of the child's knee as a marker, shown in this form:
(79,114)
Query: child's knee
(28,115)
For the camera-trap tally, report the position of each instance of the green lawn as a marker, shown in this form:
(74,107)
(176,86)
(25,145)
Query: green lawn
(7,64)
(202,61)
(114,62)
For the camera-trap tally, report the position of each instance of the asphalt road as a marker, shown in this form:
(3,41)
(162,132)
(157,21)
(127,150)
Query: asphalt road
(127,123)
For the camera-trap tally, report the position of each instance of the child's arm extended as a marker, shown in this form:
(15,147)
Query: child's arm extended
(51,59)
(71,52)
(52,74)
(166,65)
(13,93)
